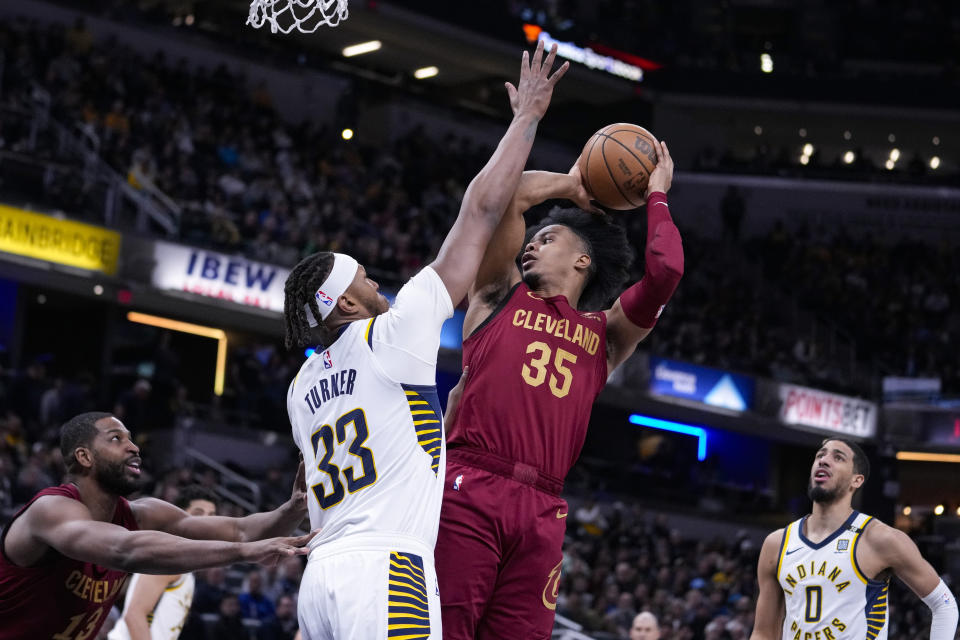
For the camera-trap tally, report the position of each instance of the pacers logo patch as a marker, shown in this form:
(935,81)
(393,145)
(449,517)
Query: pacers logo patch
(552,589)
(843,545)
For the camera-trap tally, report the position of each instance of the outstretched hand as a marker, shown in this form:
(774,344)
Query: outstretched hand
(662,176)
(532,94)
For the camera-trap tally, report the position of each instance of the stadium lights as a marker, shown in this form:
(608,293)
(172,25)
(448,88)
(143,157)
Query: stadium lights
(938,510)
(425,72)
(804,160)
(808,149)
(802,132)
(889,164)
(907,510)
(195,329)
(936,141)
(766,63)
(847,135)
(894,154)
(98,289)
(361,48)
(958,511)
(849,157)
(935,162)
(891,138)
(346,134)
(921,456)
(676,427)
(758,130)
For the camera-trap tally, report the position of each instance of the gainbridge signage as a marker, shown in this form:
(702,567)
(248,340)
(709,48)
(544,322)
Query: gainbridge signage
(218,275)
(827,412)
(65,242)
(713,387)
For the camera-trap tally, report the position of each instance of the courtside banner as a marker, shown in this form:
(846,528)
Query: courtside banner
(43,237)
(217,275)
(827,411)
(713,387)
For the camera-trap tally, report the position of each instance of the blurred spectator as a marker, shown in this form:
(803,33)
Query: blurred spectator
(645,627)
(252,601)
(284,626)
(230,625)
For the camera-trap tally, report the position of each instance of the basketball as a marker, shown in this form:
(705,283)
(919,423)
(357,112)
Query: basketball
(616,164)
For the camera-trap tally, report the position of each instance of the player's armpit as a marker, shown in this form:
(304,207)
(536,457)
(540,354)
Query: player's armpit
(770,604)
(895,550)
(623,336)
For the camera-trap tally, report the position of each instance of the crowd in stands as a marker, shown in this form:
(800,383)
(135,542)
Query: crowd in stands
(766,159)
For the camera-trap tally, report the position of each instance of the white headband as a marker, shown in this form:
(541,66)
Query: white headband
(341,275)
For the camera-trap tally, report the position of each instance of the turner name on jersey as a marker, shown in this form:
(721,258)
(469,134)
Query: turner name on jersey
(366,416)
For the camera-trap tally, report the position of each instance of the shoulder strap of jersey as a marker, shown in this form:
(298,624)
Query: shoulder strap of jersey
(368,332)
(497,309)
(789,533)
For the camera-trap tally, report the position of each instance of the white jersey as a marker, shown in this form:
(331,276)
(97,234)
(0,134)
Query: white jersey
(366,416)
(167,618)
(827,596)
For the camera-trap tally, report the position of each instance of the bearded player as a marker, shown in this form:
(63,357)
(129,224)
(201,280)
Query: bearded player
(66,555)
(827,575)
(539,349)
(364,408)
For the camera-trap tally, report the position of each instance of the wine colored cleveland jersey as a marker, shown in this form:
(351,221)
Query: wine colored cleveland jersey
(536,366)
(58,597)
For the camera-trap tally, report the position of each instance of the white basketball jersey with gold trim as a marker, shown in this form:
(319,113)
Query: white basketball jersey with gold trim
(366,416)
(168,616)
(827,596)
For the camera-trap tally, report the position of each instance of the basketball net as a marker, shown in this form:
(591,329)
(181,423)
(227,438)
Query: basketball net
(306,16)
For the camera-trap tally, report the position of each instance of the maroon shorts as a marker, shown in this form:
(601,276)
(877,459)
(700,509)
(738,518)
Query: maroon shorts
(498,552)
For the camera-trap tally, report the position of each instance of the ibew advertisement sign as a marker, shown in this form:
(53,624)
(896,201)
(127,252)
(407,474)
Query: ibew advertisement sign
(714,387)
(217,275)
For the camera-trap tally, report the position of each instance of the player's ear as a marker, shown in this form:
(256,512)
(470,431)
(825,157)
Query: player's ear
(583,261)
(857,480)
(83,456)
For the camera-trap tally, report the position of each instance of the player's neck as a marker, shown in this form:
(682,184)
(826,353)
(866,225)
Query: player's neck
(102,504)
(545,289)
(826,518)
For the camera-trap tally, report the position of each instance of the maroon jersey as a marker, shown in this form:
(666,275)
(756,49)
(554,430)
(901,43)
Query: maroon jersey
(536,366)
(58,598)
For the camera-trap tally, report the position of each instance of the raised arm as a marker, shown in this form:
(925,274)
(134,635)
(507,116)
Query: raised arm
(498,269)
(491,190)
(902,556)
(66,525)
(636,311)
(282,521)
(770,605)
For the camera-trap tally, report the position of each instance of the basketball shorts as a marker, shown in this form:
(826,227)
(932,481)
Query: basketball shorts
(499,549)
(372,591)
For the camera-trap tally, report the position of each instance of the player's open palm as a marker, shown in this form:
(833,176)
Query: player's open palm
(532,94)
(272,550)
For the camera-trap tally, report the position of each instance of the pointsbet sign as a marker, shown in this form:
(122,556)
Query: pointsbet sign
(828,412)
(66,242)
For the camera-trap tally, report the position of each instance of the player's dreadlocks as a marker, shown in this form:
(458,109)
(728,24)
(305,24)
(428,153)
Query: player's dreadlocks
(299,290)
(78,431)
(606,244)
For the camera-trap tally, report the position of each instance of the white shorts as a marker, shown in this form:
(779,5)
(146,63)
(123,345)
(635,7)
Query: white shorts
(370,594)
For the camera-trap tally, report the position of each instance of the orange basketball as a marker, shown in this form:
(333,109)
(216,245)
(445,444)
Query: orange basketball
(616,164)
